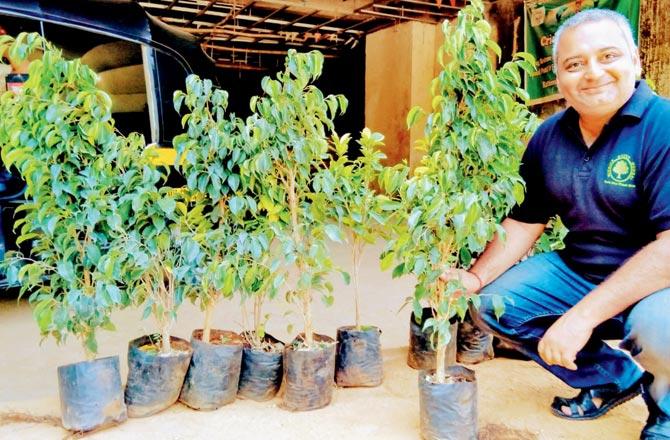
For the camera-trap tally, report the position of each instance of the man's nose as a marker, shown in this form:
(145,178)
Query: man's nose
(593,69)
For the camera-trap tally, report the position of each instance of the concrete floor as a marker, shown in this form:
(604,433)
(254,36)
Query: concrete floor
(513,395)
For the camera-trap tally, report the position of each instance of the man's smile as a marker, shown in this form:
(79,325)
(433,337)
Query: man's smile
(596,89)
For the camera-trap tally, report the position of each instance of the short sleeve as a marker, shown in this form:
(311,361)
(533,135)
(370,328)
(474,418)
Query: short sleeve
(534,208)
(656,187)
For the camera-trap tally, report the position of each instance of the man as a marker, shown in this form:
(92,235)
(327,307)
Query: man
(603,165)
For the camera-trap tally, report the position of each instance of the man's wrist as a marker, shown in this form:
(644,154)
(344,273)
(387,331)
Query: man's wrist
(479,280)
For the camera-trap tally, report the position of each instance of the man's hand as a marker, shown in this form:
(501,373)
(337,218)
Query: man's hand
(563,340)
(468,279)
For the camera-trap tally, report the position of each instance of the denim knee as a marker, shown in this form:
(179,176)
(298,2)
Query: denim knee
(647,333)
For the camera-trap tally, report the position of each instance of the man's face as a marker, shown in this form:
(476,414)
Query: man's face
(596,68)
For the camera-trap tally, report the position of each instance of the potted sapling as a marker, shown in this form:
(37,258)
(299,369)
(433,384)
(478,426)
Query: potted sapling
(209,155)
(161,235)
(59,135)
(363,212)
(467,180)
(260,280)
(289,127)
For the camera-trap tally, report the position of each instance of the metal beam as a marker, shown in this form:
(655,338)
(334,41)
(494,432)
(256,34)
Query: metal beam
(201,12)
(262,20)
(232,14)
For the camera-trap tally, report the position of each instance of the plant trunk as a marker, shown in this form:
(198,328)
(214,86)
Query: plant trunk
(357,264)
(439,368)
(258,303)
(307,310)
(165,340)
(297,239)
(207,328)
(88,354)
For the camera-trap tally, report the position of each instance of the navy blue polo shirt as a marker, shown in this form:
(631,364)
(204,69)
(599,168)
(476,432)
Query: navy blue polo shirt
(614,197)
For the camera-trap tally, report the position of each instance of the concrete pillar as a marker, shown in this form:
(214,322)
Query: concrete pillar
(401,62)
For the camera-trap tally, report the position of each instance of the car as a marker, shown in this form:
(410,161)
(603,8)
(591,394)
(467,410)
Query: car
(140,62)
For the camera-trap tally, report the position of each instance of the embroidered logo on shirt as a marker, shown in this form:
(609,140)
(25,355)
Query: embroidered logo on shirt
(621,171)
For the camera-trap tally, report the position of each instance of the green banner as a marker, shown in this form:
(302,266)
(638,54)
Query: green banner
(542,19)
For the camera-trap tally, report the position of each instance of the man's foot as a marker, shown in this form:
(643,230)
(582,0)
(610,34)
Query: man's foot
(658,423)
(657,428)
(594,402)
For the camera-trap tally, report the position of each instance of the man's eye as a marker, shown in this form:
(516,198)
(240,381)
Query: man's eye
(573,66)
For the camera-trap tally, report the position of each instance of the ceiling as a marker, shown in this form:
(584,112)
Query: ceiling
(254,35)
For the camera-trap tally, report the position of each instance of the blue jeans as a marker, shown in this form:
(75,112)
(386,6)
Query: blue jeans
(540,289)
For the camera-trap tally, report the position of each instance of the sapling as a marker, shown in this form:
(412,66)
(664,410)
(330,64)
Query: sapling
(161,235)
(468,179)
(289,128)
(58,133)
(359,206)
(209,155)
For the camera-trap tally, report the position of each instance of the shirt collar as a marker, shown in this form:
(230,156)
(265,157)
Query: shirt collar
(634,107)
(639,102)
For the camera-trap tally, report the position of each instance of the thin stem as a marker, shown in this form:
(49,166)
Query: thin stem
(440,370)
(245,323)
(307,310)
(166,296)
(357,251)
(207,328)
(297,239)
(258,304)
(165,339)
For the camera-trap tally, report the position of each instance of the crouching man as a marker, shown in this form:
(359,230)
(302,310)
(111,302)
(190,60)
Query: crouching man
(603,165)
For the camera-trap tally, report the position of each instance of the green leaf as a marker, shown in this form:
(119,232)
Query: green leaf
(414,115)
(414,218)
(334,233)
(498,305)
(328,300)
(147,311)
(398,271)
(114,222)
(494,47)
(417,309)
(167,205)
(114,293)
(236,205)
(387,261)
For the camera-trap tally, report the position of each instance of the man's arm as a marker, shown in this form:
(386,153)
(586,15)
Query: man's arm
(499,254)
(646,272)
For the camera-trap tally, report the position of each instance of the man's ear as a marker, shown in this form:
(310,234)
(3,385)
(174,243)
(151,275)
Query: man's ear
(637,64)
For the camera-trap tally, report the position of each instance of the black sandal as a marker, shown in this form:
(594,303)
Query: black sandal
(582,406)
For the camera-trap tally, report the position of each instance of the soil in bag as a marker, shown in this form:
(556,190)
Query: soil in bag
(308,374)
(214,372)
(448,411)
(155,379)
(359,358)
(262,369)
(91,395)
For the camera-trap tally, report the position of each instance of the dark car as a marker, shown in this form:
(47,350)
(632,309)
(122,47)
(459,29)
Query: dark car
(139,60)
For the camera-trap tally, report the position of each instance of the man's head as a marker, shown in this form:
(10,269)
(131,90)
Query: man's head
(596,62)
